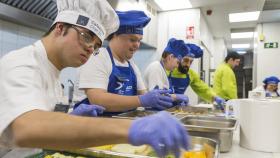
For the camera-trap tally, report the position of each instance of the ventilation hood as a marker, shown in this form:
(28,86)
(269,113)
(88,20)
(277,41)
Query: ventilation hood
(38,14)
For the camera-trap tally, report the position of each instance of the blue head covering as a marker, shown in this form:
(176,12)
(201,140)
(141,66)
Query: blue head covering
(177,48)
(194,51)
(271,80)
(132,22)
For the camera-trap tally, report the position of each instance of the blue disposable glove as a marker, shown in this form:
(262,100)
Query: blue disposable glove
(88,110)
(157,98)
(162,131)
(267,94)
(220,101)
(182,99)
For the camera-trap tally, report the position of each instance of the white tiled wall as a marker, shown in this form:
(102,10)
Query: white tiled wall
(144,57)
(14,36)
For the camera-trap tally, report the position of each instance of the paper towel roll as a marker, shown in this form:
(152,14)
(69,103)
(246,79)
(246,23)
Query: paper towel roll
(260,124)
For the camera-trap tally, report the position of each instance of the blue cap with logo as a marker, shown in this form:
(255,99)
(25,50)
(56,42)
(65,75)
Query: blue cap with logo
(132,22)
(271,80)
(177,48)
(194,51)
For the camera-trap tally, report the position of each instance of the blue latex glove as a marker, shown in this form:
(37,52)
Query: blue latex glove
(162,131)
(267,94)
(88,110)
(220,101)
(182,99)
(157,98)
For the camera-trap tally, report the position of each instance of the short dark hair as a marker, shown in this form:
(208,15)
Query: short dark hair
(110,37)
(53,27)
(165,54)
(233,55)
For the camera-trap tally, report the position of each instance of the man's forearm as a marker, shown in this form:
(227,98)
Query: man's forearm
(52,130)
(112,102)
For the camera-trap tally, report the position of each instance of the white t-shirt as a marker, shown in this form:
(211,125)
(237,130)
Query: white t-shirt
(28,81)
(96,71)
(155,75)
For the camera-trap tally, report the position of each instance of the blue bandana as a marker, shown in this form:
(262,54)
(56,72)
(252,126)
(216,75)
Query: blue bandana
(177,48)
(271,80)
(132,22)
(194,51)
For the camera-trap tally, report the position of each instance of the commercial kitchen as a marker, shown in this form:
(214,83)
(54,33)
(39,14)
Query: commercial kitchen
(139,78)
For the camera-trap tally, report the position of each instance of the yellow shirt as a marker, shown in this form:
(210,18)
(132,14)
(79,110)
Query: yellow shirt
(198,86)
(225,82)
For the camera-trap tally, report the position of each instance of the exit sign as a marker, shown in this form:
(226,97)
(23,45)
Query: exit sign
(271,45)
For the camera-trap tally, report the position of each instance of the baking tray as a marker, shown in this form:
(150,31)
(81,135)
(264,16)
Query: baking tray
(214,152)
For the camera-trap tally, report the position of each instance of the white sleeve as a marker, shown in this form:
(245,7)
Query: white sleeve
(96,71)
(140,82)
(154,76)
(21,91)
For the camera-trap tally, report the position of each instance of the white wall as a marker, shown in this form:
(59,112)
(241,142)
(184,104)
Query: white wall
(206,35)
(150,31)
(207,42)
(13,36)
(219,52)
(267,60)
(174,24)
(144,57)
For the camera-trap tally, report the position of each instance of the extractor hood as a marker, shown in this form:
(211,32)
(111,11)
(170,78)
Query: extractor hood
(38,14)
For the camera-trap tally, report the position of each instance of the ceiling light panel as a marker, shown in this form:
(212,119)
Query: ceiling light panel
(244,16)
(241,52)
(173,5)
(242,35)
(236,46)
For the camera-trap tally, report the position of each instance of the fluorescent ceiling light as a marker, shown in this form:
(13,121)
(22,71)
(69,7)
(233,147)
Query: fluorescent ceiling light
(245,16)
(241,52)
(242,35)
(240,45)
(174,4)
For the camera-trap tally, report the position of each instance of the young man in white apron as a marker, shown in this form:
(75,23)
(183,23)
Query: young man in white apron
(112,80)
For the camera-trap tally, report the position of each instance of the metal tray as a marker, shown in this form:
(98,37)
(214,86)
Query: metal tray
(110,154)
(218,128)
(178,111)
(134,114)
(190,110)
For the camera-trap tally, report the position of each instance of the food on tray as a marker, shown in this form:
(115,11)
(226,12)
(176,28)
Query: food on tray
(194,154)
(58,155)
(198,112)
(209,150)
(200,150)
(130,149)
(104,147)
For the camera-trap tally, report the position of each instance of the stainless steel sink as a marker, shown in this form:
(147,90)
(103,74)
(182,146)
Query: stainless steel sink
(218,128)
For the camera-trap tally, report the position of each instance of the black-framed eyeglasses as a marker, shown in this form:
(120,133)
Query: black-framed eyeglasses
(87,39)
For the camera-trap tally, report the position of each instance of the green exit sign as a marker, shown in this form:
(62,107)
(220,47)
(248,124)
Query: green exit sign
(271,45)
